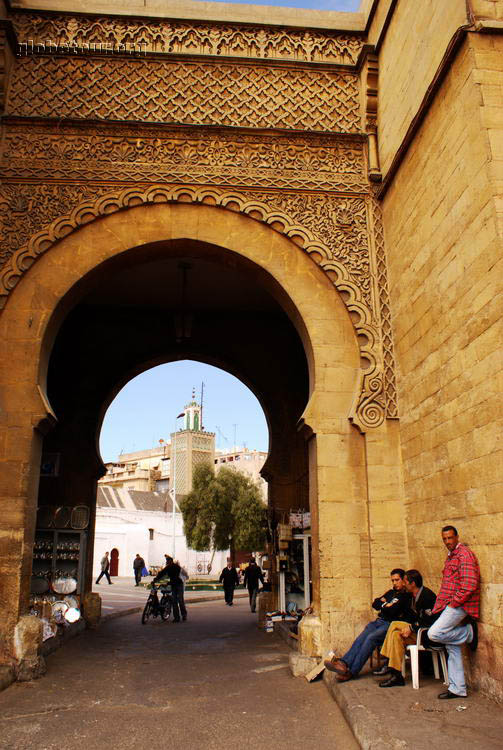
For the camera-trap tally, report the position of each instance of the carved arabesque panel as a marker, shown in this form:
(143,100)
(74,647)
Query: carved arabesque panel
(160,154)
(384,310)
(198,93)
(369,411)
(26,209)
(189,38)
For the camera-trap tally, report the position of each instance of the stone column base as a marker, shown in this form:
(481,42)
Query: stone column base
(27,641)
(310,636)
(91,609)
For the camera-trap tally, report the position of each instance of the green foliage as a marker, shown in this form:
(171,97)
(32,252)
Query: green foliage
(223,511)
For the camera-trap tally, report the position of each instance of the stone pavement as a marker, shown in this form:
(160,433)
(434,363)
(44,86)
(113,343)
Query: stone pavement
(215,682)
(402,718)
(123,596)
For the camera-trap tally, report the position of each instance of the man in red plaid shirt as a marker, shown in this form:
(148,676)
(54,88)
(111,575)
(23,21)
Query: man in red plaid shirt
(458,603)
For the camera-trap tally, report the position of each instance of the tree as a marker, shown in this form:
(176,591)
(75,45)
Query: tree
(223,511)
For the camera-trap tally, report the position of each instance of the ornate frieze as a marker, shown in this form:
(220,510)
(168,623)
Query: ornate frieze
(197,156)
(195,93)
(123,35)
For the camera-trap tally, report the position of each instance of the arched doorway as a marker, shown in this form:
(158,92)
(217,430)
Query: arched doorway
(114,562)
(304,366)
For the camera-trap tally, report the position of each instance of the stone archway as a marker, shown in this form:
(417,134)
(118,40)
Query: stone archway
(377,388)
(340,484)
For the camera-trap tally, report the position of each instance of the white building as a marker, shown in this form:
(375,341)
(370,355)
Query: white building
(130,522)
(247,462)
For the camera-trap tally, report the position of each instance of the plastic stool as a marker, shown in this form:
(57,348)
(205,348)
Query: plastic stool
(414,650)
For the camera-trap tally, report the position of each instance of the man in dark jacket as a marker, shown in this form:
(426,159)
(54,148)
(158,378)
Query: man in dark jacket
(172,571)
(138,565)
(402,633)
(253,574)
(391,605)
(230,580)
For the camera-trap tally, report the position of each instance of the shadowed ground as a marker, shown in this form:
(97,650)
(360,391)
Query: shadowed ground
(215,681)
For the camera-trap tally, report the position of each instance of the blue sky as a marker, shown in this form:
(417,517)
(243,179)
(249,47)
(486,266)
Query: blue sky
(340,5)
(146,408)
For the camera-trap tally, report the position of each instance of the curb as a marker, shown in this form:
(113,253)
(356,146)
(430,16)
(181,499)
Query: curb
(362,721)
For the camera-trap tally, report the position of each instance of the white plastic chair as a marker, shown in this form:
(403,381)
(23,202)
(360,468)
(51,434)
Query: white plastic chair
(414,650)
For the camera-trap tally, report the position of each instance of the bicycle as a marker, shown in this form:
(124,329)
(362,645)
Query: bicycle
(155,607)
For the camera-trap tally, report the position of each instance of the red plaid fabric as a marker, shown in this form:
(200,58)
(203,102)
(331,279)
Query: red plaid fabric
(460,582)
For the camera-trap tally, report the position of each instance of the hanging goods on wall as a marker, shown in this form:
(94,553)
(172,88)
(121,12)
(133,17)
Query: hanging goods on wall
(80,517)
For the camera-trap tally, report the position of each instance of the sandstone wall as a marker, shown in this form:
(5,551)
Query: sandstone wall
(444,230)
(410,55)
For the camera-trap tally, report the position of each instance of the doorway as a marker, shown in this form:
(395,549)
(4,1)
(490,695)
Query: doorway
(114,562)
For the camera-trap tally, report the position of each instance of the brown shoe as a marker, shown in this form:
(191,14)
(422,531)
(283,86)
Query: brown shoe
(344,677)
(336,665)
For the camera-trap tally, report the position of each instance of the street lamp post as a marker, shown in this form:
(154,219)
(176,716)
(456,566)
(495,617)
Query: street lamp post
(173,493)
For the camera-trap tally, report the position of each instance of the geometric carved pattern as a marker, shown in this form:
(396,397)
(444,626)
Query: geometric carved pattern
(194,38)
(341,222)
(385,313)
(192,92)
(195,155)
(25,209)
(369,411)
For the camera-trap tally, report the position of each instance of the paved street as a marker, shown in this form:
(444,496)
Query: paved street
(213,682)
(123,594)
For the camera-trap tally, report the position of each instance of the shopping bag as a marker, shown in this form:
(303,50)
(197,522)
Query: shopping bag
(144,571)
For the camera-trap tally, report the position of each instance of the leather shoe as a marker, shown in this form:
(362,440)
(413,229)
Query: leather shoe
(381,671)
(448,696)
(336,665)
(344,677)
(475,640)
(396,680)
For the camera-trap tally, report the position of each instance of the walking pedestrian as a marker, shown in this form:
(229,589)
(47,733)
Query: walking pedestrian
(230,580)
(253,574)
(105,565)
(138,565)
(172,571)
(458,602)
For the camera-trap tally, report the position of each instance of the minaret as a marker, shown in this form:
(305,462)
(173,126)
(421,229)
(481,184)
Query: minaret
(193,414)
(190,446)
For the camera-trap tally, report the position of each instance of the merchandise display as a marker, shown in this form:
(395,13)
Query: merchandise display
(58,560)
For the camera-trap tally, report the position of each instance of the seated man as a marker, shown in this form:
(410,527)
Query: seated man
(400,634)
(391,605)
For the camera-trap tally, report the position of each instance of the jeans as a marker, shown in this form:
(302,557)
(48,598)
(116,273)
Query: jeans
(252,593)
(372,636)
(137,576)
(448,631)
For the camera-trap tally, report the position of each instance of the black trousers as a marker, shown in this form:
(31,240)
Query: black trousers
(104,573)
(178,601)
(137,575)
(229,594)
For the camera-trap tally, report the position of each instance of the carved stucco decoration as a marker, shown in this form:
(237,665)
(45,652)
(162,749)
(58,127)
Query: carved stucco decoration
(160,154)
(189,38)
(190,92)
(380,273)
(369,410)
